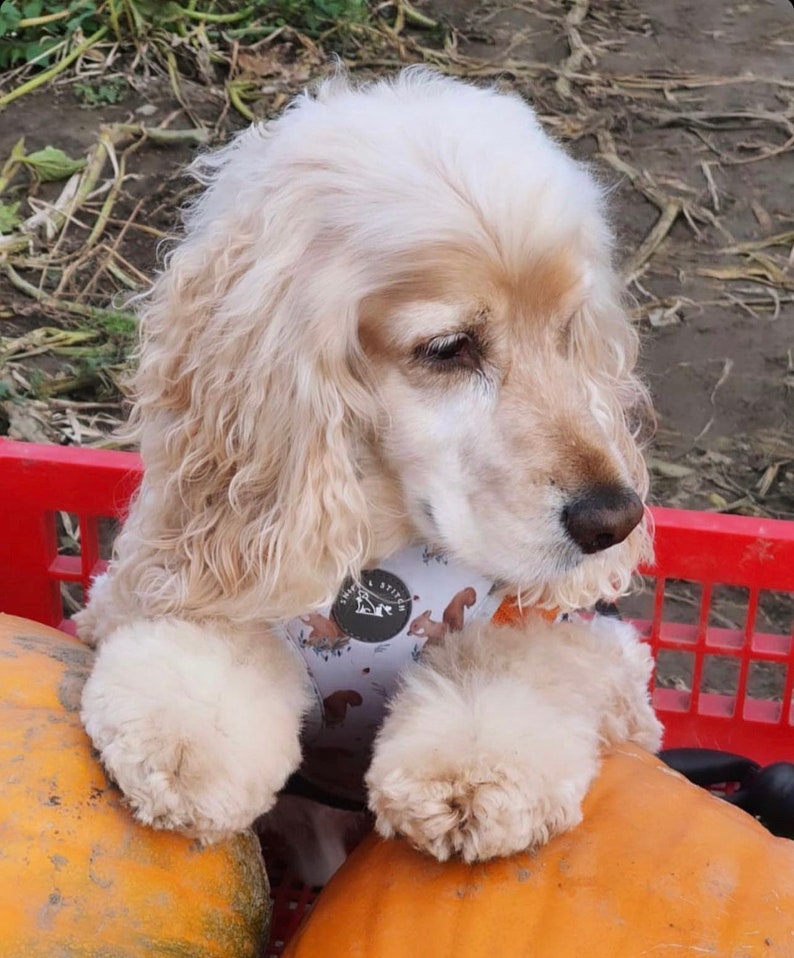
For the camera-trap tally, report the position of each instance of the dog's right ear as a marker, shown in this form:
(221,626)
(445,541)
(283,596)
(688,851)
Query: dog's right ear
(248,399)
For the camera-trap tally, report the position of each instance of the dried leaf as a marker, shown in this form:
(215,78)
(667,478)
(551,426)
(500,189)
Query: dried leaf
(669,470)
(768,478)
(261,65)
(665,316)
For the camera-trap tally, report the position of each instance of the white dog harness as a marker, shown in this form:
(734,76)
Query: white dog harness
(355,649)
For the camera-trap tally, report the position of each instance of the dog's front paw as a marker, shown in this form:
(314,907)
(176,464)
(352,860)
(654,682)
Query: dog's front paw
(198,729)
(482,768)
(475,812)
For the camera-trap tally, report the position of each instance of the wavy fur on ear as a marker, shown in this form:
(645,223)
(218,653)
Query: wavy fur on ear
(248,399)
(605,348)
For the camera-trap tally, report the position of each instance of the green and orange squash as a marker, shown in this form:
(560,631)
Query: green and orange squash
(79,878)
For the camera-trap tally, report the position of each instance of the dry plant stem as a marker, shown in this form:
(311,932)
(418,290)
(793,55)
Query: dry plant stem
(110,200)
(110,136)
(573,19)
(11,164)
(406,13)
(79,187)
(234,90)
(740,119)
(46,75)
(727,366)
(667,217)
(138,227)
(715,198)
(162,135)
(416,17)
(50,222)
(770,475)
(51,302)
(43,340)
(669,209)
(670,81)
(114,19)
(114,258)
(42,21)
(57,387)
(766,275)
(206,17)
(608,151)
(778,239)
(124,278)
(107,262)
(87,406)
(10,78)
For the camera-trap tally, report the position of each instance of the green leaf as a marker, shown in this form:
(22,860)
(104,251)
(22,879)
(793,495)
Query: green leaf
(9,17)
(95,93)
(9,219)
(11,52)
(38,48)
(52,164)
(32,9)
(85,19)
(152,9)
(165,12)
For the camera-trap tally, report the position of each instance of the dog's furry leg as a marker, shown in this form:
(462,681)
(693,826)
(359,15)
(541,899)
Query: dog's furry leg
(495,738)
(628,715)
(197,724)
(104,613)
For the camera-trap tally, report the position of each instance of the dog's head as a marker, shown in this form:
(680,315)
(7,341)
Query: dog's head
(394,315)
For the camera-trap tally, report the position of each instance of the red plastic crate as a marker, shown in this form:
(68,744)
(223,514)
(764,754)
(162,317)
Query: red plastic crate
(710,552)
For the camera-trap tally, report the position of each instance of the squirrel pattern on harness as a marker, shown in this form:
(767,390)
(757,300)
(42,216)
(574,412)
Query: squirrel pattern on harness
(355,649)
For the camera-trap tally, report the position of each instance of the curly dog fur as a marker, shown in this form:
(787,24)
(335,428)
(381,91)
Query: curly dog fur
(392,317)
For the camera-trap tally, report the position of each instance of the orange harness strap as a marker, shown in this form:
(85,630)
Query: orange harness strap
(510,613)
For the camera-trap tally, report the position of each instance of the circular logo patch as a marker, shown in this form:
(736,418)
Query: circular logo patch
(375,609)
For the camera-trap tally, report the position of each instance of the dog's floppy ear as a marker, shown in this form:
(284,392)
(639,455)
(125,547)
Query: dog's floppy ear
(249,396)
(605,348)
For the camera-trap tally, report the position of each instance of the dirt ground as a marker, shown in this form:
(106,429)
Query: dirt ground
(686,109)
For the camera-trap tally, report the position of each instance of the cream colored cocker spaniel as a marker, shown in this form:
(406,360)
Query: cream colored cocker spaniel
(393,318)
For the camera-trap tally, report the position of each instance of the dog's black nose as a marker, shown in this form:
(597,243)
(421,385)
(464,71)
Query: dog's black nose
(602,517)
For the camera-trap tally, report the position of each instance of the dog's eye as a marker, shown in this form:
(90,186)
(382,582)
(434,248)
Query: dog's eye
(454,351)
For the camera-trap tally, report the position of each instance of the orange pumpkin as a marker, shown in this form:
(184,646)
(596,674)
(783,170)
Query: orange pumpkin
(78,876)
(657,869)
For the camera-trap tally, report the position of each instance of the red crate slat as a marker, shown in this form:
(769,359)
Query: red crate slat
(36,482)
(720,549)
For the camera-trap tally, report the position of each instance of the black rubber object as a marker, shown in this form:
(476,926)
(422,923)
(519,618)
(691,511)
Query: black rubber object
(766,793)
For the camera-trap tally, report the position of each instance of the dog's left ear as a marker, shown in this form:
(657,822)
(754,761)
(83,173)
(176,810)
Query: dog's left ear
(250,400)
